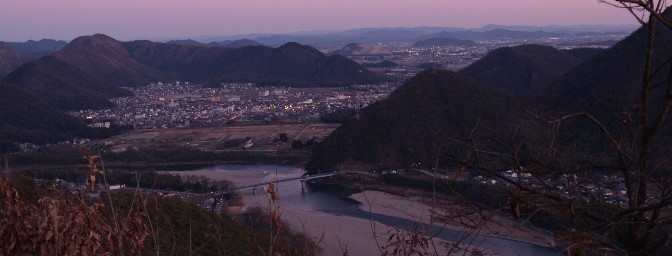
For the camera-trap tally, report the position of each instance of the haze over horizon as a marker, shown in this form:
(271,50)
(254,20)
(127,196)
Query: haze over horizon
(153,19)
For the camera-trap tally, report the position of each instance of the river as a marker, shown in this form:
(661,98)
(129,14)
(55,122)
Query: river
(333,205)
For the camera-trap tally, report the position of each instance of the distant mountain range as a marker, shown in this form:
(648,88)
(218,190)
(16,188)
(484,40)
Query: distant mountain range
(90,70)
(236,43)
(414,34)
(37,49)
(415,123)
(493,34)
(228,43)
(569,29)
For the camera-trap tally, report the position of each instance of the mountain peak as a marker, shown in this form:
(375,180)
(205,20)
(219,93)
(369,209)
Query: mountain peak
(609,83)
(91,40)
(521,68)
(300,51)
(186,42)
(294,45)
(63,85)
(361,49)
(242,43)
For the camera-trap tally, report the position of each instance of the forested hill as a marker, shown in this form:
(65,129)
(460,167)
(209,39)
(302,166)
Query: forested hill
(37,49)
(9,60)
(414,122)
(90,70)
(609,83)
(25,118)
(105,58)
(521,68)
(140,62)
(63,85)
(409,126)
(291,64)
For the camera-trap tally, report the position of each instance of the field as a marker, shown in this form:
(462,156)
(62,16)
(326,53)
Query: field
(264,137)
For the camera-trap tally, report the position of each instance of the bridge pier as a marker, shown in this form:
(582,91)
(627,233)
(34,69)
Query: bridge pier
(303,179)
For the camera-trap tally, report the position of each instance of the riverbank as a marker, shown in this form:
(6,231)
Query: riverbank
(339,231)
(336,234)
(454,216)
(338,223)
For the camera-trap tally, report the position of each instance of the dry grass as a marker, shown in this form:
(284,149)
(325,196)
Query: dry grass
(59,225)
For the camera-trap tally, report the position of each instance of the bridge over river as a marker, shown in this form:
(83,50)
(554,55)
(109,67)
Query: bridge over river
(254,187)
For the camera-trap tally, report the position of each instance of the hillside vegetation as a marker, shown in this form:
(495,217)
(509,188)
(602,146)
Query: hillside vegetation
(608,83)
(409,126)
(512,86)
(64,86)
(26,118)
(522,68)
(39,220)
(90,70)
(9,60)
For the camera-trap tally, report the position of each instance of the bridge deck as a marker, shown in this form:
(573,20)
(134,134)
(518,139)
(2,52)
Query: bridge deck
(302,178)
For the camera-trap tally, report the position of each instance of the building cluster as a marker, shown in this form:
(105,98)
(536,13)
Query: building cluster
(181,104)
(411,59)
(603,188)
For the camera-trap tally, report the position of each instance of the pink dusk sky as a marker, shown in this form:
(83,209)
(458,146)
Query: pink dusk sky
(21,20)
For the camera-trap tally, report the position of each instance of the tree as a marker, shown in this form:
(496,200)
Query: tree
(576,190)
(297,144)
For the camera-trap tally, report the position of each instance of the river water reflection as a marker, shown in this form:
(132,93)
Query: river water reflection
(335,201)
